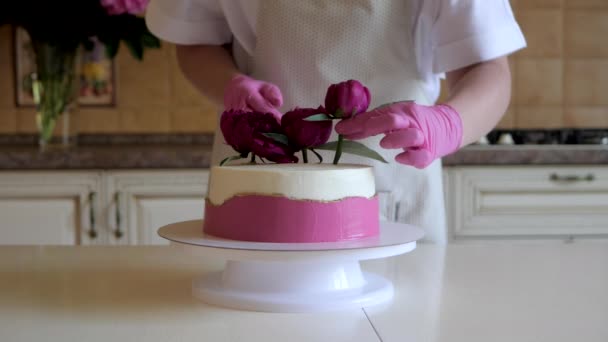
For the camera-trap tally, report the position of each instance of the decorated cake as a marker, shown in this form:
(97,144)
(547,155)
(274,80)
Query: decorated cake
(282,199)
(292,203)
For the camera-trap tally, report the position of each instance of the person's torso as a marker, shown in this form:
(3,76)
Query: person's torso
(242,18)
(305,46)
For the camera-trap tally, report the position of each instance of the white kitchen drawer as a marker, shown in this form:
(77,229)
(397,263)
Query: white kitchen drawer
(528,201)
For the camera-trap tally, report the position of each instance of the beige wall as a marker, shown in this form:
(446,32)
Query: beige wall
(560,80)
(153,97)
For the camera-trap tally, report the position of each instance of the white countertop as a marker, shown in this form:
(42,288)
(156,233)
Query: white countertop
(530,291)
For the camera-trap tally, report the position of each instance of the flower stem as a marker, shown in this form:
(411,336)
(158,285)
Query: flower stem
(305,155)
(338,149)
(252,158)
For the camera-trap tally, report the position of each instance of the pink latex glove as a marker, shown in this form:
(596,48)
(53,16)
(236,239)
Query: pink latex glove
(246,93)
(425,133)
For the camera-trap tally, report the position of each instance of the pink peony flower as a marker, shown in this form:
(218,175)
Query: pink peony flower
(244,132)
(272,150)
(117,7)
(350,96)
(306,134)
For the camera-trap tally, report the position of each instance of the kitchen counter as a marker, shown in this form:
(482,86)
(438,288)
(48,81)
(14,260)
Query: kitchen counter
(184,155)
(529,155)
(126,156)
(494,291)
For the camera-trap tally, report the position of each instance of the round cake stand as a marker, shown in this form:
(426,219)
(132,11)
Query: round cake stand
(292,277)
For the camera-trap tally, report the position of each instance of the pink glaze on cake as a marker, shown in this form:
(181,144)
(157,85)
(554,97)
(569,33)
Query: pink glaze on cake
(279,219)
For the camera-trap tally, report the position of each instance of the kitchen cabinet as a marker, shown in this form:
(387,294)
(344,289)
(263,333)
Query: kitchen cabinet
(50,208)
(143,201)
(97,207)
(126,207)
(527,201)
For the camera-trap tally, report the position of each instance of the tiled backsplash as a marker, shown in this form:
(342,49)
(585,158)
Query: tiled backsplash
(560,80)
(152,97)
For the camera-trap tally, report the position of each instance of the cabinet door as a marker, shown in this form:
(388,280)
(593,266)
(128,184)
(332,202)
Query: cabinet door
(143,201)
(48,208)
(527,201)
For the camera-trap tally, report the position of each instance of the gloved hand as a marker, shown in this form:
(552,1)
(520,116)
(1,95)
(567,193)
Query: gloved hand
(246,93)
(425,133)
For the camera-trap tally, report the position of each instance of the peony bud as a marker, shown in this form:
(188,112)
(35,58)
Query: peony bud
(351,97)
(305,134)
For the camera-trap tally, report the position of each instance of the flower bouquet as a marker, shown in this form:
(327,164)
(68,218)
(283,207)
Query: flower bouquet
(264,136)
(58,30)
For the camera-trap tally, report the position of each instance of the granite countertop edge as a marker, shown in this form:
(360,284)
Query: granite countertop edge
(195,153)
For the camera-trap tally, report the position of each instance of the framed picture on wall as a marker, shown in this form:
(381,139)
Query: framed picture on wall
(97,74)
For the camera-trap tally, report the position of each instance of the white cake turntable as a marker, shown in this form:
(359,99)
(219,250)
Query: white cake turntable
(292,277)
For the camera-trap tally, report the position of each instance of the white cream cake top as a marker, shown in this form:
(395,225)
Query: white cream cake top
(320,182)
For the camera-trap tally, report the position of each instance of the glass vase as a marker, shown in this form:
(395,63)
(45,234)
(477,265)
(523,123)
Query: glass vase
(54,89)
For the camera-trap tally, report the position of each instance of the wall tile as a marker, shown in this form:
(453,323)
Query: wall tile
(183,93)
(193,119)
(8,120)
(586,4)
(524,4)
(539,117)
(586,116)
(508,120)
(26,120)
(586,33)
(543,31)
(145,119)
(7,98)
(586,82)
(98,120)
(145,82)
(514,5)
(539,81)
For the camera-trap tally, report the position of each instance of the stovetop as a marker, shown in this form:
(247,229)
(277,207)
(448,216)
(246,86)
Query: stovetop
(550,137)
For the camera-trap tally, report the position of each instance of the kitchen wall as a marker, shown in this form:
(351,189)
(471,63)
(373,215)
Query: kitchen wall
(560,80)
(152,97)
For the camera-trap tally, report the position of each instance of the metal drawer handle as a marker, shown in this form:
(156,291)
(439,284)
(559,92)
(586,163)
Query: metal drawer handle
(117,232)
(92,232)
(572,178)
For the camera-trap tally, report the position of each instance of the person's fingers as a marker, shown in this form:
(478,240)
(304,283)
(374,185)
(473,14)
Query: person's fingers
(272,94)
(403,138)
(372,123)
(276,113)
(258,103)
(356,124)
(418,158)
(355,136)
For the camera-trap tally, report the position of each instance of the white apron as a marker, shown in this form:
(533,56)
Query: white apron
(304,46)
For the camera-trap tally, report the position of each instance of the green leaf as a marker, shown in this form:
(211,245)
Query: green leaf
(280,138)
(149,40)
(229,159)
(111,46)
(353,147)
(319,117)
(136,48)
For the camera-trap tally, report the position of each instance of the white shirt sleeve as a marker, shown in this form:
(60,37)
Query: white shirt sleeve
(188,21)
(466,32)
